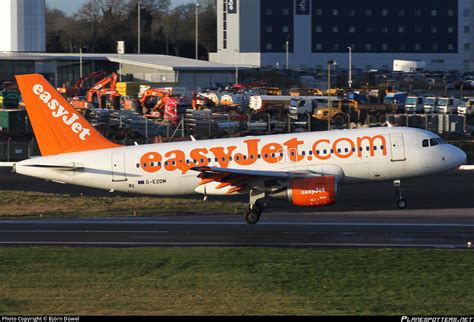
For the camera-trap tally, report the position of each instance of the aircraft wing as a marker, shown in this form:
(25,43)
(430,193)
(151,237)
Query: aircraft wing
(236,180)
(257,173)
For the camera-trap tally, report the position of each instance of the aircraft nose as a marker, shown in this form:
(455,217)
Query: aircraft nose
(459,156)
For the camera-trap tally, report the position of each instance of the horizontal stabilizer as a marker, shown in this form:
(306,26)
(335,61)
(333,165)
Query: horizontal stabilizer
(57,167)
(7,164)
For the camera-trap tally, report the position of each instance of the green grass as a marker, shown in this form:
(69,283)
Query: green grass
(247,281)
(24,203)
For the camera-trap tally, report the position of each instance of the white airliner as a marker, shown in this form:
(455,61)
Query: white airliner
(305,168)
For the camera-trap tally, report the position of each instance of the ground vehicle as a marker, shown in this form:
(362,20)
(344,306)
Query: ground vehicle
(154,99)
(305,169)
(466,107)
(258,103)
(100,95)
(398,99)
(10,97)
(305,92)
(300,106)
(430,104)
(414,104)
(346,111)
(447,105)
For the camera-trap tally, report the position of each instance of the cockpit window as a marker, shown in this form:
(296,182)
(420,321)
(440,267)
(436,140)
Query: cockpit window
(440,141)
(432,142)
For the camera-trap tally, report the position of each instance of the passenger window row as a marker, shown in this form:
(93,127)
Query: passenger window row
(273,155)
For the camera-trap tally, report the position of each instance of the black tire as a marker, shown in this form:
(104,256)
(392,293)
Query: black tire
(257,208)
(382,118)
(402,204)
(339,120)
(251,217)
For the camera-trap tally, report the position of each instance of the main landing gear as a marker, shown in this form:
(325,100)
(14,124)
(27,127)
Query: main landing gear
(401,203)
(253,213)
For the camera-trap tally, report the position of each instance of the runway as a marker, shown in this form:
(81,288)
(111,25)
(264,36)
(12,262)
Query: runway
(341,230)
(440,214)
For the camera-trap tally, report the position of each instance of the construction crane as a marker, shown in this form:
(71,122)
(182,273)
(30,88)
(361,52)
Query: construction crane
(99,93)
(78,87)
(154,99)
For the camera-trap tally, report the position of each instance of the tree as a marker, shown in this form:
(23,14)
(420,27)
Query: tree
(178,26)
(99,24)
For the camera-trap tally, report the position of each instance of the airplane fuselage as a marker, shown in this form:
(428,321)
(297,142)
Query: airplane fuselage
(352,156)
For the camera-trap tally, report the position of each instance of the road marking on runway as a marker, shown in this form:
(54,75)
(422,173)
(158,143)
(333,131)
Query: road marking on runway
(226,244)
(263,222)
(83,231)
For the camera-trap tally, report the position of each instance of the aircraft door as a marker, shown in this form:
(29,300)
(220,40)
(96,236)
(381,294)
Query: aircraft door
(397,147)
(118,168)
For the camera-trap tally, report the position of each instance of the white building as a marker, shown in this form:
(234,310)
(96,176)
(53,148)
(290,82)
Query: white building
(22,26)
(307,33)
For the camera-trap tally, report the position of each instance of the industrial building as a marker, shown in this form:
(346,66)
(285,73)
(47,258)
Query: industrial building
(308,33)
(23,46)
(169,70)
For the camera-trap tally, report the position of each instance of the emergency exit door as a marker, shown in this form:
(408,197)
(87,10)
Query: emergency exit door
(397,147)
(118,168)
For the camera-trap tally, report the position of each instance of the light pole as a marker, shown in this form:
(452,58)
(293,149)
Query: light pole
(350,66)
(330,62)
(197,30)
(139,27)
(80,60)
(287,50)
(236,67)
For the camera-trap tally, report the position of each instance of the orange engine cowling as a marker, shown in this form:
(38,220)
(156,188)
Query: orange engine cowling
(310,192)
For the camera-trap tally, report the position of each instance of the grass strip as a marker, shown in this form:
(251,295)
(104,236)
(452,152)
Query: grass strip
(235,281)
(24,203)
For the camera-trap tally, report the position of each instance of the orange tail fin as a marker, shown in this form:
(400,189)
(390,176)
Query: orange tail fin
(58,127)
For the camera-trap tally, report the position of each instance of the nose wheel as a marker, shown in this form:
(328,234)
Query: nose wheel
(401,203)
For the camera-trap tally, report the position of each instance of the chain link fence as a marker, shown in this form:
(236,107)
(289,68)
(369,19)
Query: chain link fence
(205,125)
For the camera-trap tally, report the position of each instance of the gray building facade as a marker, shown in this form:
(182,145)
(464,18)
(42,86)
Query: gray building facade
(307,33)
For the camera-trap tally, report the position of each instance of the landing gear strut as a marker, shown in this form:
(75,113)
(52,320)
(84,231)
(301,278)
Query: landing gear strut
(401,203)
(252,215)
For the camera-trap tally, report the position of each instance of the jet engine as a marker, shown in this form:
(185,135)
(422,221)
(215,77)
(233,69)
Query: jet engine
(310,192)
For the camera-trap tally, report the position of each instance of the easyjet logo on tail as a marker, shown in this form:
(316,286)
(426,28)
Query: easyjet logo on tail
(59,112)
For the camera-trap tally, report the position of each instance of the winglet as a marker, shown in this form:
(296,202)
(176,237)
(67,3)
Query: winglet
(58,127)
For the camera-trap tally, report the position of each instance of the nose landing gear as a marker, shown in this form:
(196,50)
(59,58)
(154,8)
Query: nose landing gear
(401,203)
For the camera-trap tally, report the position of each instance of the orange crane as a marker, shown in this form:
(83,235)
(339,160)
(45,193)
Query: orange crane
(74,90)
(154,99)
(98,94)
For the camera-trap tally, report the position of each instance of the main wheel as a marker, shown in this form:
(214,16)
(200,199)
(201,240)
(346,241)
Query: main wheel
(252,217)
(402,204)
(257,208)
